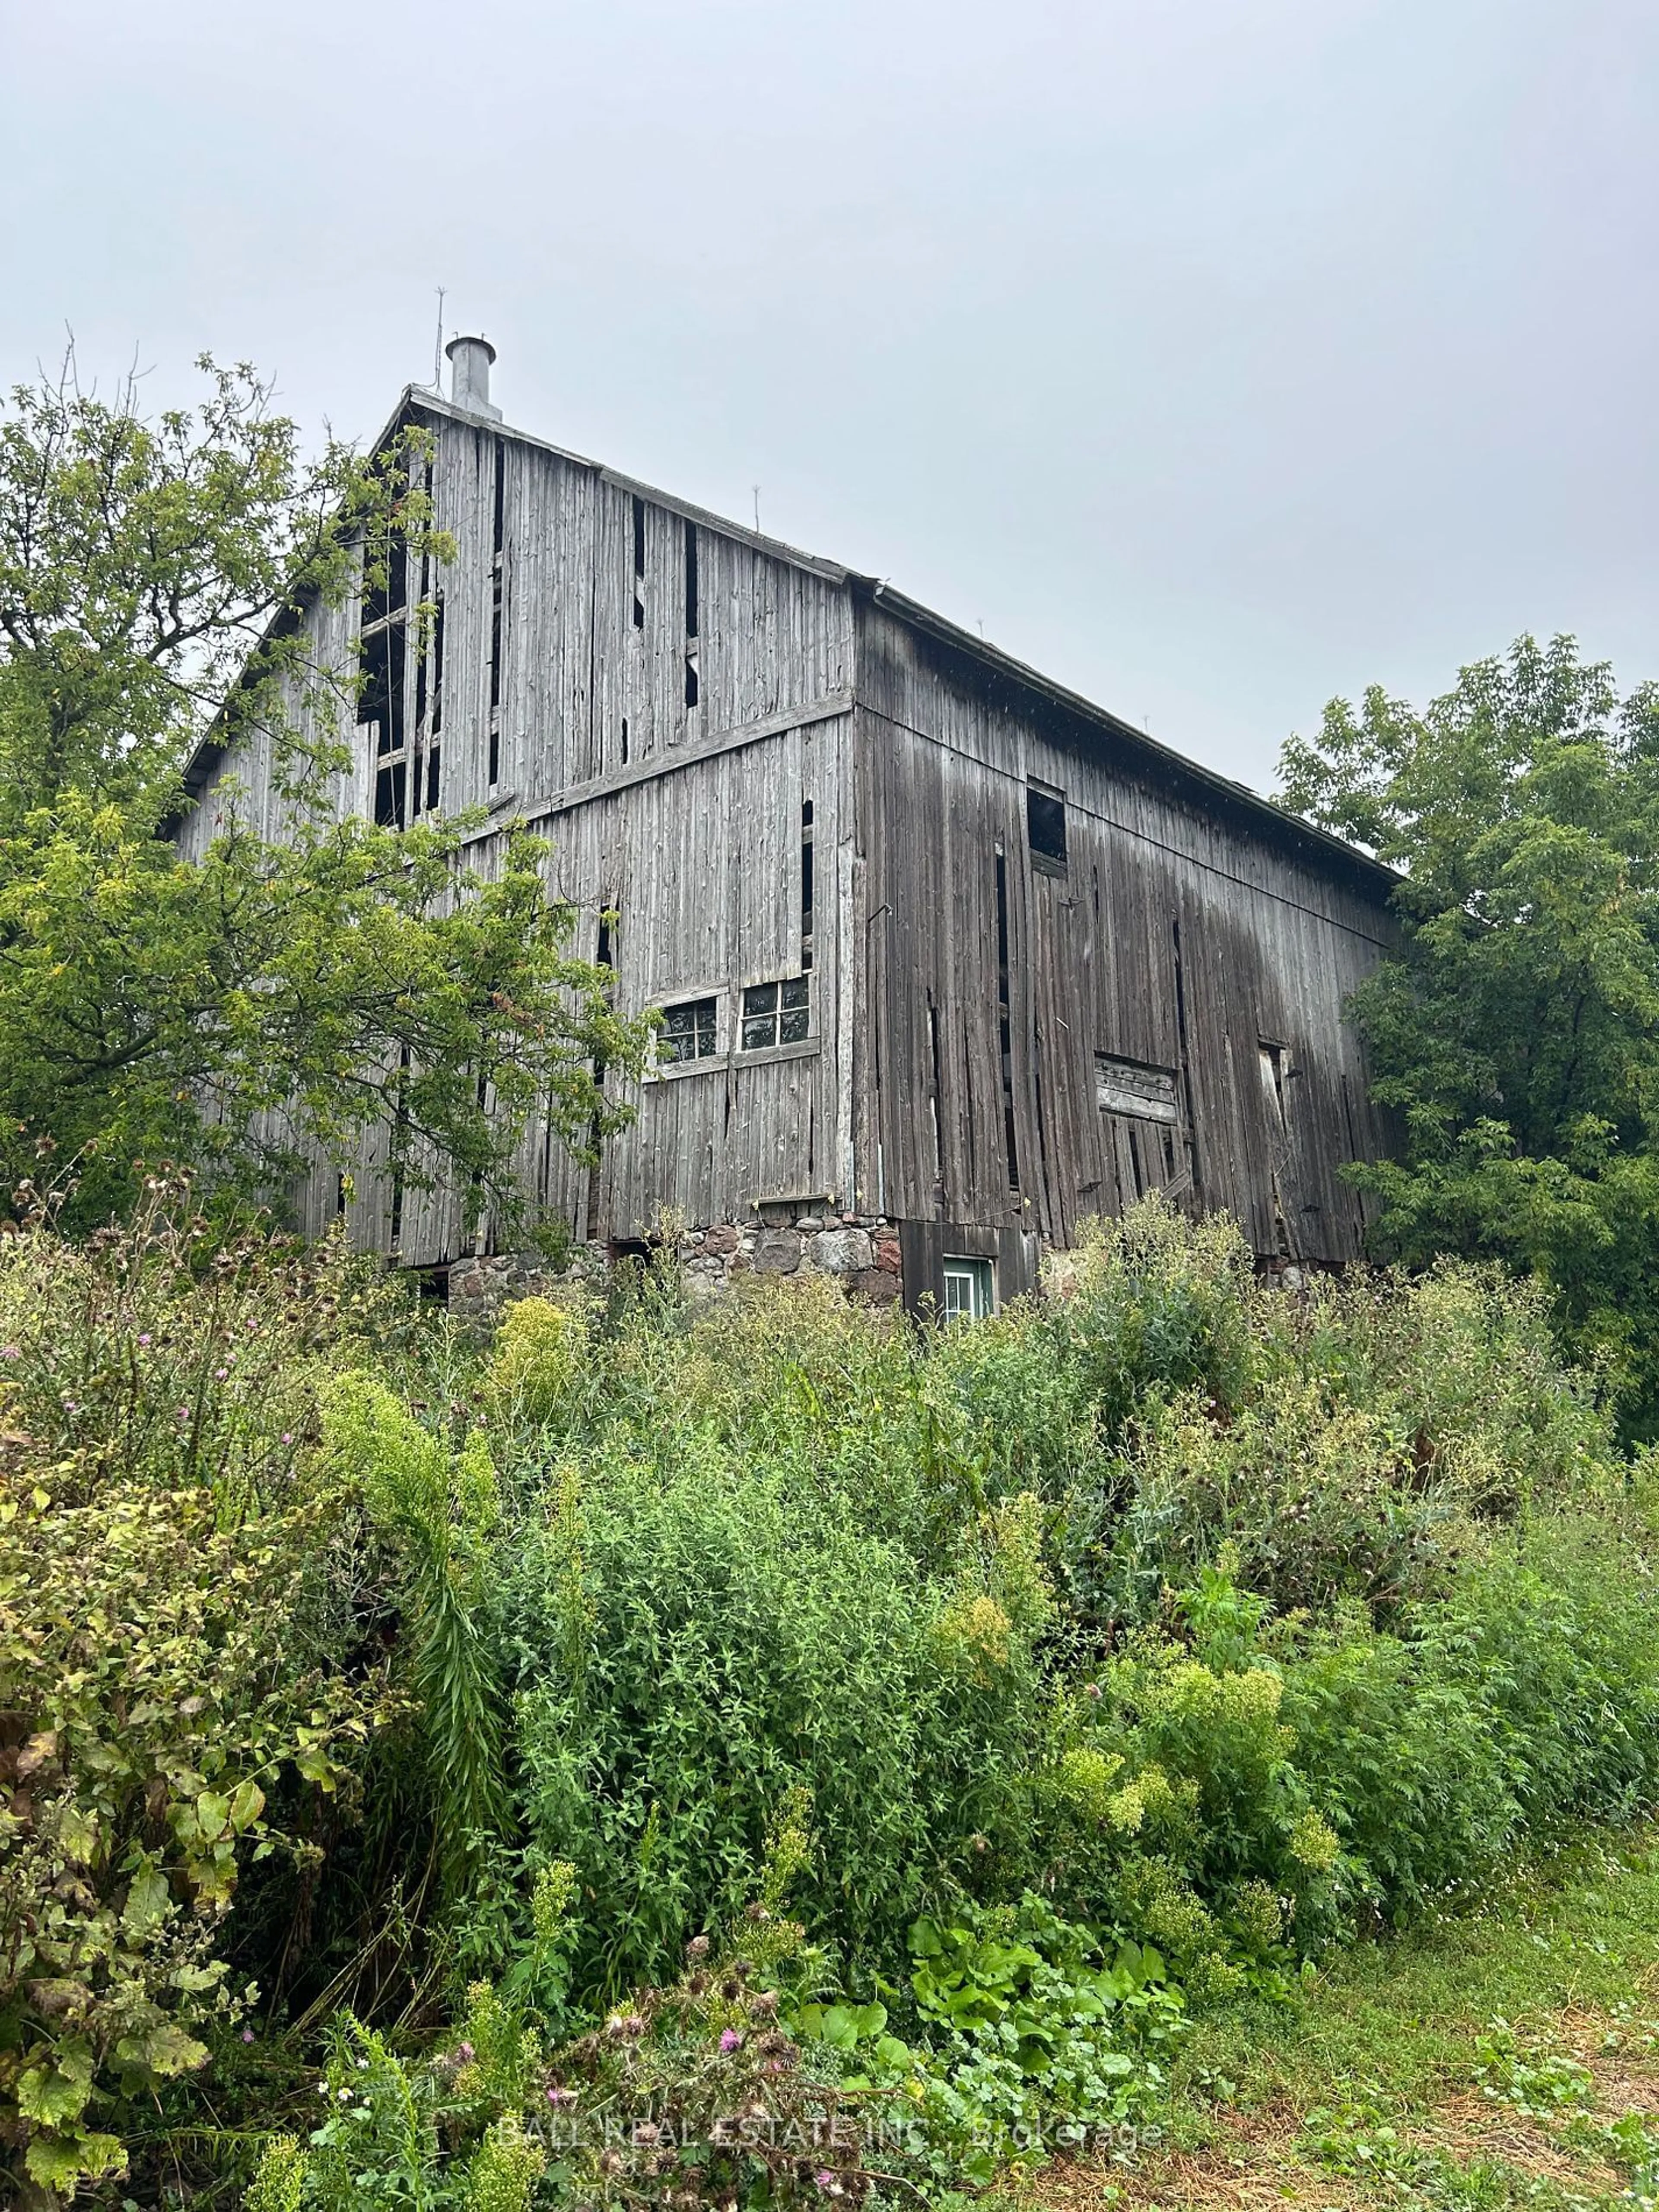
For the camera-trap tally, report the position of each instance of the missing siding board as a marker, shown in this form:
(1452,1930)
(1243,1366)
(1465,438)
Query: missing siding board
(624,741)
(438,667)
(639,564)
(497,572)
(1045,827)
(1005,1024)
(934,1103)
(1187,1088)
(692,673)
(805,884)
(605,955)
(1276,1071)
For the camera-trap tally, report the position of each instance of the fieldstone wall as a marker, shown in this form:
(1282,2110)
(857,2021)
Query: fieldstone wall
(859,1251)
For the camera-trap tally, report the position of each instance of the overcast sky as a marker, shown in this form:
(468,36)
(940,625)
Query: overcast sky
(1217,355)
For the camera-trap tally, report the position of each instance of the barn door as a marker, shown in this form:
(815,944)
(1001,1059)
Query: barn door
(1144,1137)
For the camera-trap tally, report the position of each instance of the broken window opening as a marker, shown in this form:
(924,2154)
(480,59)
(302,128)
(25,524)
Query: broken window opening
(624,741)
(971,1290)
(639,564)
(806,884)
(391,795)
(433,777)
(777,1013)
(1005,1024)
(690,1032)
(1045,826)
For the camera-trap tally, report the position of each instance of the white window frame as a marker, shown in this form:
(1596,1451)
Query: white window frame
(970,1287)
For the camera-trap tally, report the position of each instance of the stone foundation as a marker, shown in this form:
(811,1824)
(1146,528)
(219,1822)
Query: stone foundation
(859,1251)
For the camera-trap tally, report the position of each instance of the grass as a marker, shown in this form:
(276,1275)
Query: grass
(1500,2056)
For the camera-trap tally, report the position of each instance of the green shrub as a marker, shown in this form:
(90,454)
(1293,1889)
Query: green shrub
(691,1644)
(159,1676)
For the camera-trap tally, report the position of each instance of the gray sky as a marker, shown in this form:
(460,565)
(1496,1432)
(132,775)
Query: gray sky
(1217,354)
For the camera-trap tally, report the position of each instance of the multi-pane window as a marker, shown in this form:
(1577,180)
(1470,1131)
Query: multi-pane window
(777,1013)
(690,1032)
(969,1289)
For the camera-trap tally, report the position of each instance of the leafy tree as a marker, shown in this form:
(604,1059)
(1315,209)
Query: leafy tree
(1517,1032)
(271,998)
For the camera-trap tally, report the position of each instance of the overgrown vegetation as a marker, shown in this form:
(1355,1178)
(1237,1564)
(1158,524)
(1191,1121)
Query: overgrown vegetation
(675,1754)
(1516,1034)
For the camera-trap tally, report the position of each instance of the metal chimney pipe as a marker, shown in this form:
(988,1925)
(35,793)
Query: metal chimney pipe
(469,376)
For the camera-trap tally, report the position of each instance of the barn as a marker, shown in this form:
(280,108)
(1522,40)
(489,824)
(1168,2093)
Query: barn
(947,958)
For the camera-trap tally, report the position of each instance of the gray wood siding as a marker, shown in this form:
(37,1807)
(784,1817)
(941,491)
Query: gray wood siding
(1267,943)
(687,819)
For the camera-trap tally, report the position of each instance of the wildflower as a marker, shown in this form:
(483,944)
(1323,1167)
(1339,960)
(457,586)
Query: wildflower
(345,2096)
(220,1373)
(696,1948)
(144,1338)
(10,1352)
(247,2035)
(181,1412)
(731,2039)
(824,2179)
(288,1437)
(464,2052)
(362,2065)
(764,2002)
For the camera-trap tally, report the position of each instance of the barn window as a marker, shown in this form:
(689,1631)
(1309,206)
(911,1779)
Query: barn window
(777,1013)
(1045,826)
(690,1032)
(970,1289)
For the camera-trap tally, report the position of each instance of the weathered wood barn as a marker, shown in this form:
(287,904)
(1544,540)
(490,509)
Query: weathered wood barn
(948,959)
